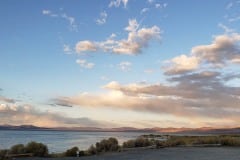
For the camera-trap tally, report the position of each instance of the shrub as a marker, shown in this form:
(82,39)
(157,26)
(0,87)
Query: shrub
(139,142)
(129,144)
(230,141)
(160,144)
(18,149)
(81,153)
(142,142)
(3,154)
(38,149)
(72,152)
(113,144)
(175,142)
(107,145)
(91,150)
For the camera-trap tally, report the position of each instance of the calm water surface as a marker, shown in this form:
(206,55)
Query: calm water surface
(59,141)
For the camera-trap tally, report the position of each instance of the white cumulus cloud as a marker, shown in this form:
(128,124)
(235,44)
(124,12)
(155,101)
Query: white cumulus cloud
(83,63)
(85,46)
(224,50)
(138,38)
(182,64)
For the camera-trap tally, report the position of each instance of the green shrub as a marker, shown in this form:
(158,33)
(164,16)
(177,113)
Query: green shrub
(38,149)
(18,149)
(72,152)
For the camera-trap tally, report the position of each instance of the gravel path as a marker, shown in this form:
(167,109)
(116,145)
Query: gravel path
(181,153)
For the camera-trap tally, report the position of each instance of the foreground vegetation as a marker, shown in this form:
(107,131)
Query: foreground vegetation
(112,145)
(32,149)
(221,140)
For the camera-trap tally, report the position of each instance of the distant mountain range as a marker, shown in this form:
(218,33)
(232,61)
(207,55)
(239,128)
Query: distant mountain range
(204,130)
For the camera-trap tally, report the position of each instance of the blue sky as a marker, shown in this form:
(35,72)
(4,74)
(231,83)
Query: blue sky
(160,58)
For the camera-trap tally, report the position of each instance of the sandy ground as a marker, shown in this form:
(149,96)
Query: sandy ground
(181,153)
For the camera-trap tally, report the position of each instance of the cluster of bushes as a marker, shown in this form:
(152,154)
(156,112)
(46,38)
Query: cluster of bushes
(139,142)
(33,148)
(230,141)
(174,141)
(105,145)
(73,152)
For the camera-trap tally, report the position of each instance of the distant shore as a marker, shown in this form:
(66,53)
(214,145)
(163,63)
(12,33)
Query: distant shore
(170,130)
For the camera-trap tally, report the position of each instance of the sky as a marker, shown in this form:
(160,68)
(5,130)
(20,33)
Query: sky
(120,63)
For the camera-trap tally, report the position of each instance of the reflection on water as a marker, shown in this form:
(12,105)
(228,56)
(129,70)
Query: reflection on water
(59,141)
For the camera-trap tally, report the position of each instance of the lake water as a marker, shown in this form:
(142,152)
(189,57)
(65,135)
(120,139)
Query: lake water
(59,141)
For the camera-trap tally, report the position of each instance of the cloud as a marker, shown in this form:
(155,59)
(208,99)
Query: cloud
(234,19)
(53,103)
(144,10)
(117,3)
(72,24)
(226,29)
(71,20)
(102,19)
(200,96)
(85,46)
(196,88)
(67,49)
(7,100)
(161,6)
(229,5)
(83,63)
(125,66)
(138,38)
(224,50)
(26,114)
(48,12)
(150,1)
(182,64)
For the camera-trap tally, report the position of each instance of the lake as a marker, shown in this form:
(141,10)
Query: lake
(59,141)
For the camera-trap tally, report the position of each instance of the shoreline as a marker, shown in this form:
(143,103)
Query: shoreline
(141,144)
